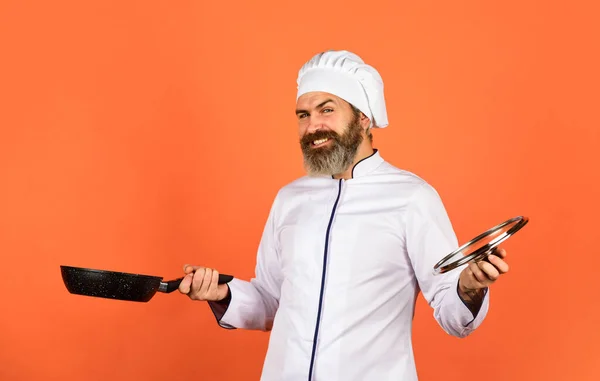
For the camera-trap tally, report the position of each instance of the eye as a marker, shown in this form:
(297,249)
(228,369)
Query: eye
(327,110)
(302,115)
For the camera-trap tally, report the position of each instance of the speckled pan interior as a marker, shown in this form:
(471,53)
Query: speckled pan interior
(109,284)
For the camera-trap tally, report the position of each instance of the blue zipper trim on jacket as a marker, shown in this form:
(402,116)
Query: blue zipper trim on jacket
(314,348)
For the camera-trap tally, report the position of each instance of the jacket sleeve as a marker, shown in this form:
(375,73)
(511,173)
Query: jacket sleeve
(429,238)
(252,304)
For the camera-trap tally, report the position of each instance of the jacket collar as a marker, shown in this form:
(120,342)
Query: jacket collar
(367,165)
(363,167)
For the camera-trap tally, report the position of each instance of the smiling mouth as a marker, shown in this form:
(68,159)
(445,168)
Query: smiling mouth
(320,142)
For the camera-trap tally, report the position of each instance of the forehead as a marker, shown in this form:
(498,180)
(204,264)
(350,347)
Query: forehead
(314,99)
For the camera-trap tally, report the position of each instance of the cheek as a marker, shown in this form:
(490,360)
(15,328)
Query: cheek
(337,124)
(302,128)
(339,128)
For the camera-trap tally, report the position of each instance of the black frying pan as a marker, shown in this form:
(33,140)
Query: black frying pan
(118,285)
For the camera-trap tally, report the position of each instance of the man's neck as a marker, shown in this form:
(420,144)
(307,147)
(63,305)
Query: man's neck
(365,150)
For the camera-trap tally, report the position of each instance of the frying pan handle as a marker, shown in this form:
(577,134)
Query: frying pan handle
(173,285)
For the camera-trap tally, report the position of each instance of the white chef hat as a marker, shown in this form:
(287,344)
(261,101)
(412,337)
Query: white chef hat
(344,74)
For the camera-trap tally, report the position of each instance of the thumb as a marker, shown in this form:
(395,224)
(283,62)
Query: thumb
(190,269)
(186,284)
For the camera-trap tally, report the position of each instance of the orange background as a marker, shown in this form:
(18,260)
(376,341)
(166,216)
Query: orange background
(139,136)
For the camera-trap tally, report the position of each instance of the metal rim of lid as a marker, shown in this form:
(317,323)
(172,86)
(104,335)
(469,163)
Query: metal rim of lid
(483,251)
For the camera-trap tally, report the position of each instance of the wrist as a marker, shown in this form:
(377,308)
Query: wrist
(223,293)
(470,294)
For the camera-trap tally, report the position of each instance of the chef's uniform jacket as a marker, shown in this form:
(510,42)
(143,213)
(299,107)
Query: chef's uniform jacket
(339,267)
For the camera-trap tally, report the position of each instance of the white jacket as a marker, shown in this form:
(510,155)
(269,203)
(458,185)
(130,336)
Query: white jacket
(339,267)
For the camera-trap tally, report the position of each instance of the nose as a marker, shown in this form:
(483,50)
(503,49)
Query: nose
(315,124)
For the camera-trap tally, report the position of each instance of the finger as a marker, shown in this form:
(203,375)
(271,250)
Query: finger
(499,252)
(500,265)
(197,281)
(186,284)
(478,273)
(489,270)
(206,282)
(214,283)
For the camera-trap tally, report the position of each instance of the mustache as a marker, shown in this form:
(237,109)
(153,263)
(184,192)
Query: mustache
(309,138)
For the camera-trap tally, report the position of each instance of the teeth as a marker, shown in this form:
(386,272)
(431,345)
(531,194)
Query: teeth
(320,141)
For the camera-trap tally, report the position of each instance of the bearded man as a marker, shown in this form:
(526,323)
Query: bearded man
(347,248)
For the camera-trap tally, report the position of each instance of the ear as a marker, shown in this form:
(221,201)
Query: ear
(364,121)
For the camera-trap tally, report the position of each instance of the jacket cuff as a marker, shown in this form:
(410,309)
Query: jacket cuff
(471,316)
(219,308)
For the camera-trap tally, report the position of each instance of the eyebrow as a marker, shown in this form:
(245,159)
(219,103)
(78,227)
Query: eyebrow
(318,106)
